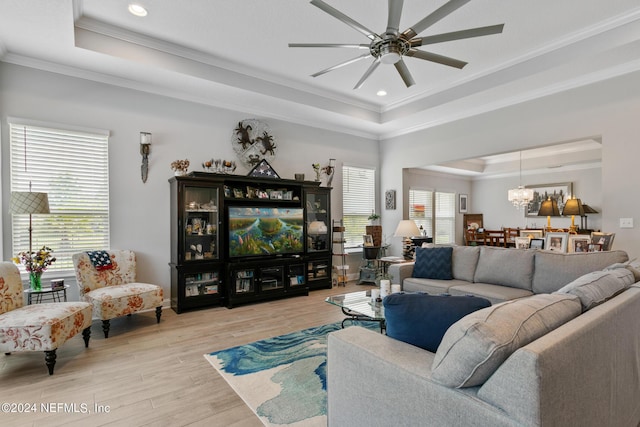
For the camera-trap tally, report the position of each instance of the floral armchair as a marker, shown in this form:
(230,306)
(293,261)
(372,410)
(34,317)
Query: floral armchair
(38,327)
(112,288)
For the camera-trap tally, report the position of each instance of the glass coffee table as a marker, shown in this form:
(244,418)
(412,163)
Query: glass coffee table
(357,306)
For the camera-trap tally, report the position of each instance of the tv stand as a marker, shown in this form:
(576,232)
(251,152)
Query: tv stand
(211,266)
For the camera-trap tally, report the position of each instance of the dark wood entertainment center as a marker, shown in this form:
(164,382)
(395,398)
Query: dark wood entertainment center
(241,239)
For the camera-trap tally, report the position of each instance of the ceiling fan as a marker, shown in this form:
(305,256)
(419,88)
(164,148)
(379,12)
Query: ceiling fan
(391,46)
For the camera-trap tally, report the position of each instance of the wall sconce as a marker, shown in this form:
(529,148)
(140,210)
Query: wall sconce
(145,149)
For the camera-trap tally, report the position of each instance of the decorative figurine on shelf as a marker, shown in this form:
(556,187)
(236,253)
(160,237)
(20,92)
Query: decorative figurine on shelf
(328,170)
(317,170)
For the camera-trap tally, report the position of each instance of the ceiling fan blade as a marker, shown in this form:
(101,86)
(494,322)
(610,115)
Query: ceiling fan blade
(434,57)
(440,13)
(353,46)
(395,12)
(342,64)
(367,73)
(458,35)
(344,18)
(404,73)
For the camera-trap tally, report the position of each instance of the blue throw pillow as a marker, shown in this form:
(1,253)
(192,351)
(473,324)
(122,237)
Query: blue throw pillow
(433,263)
(421,319)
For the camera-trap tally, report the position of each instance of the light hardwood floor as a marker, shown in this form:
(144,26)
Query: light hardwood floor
(150,374)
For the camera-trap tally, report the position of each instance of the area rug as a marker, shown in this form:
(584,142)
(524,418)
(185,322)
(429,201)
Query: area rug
(282,379)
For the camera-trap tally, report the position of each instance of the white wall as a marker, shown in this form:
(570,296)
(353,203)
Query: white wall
(140,212)
(607,109)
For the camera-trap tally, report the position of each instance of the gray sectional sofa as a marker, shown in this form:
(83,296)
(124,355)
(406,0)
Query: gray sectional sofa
(553,350)
(501,274)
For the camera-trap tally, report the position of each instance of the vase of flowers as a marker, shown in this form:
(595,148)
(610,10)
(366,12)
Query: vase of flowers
(180,167)
(36,263)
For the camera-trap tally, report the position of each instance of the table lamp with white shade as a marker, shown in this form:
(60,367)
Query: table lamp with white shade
(406,229)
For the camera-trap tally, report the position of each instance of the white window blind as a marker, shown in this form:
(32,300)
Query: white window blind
(358,202)
(434,210)
(73,168)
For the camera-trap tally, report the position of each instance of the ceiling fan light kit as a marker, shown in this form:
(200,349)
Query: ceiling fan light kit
(391,46)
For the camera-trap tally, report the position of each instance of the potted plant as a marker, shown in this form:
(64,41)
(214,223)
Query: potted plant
(180,167)
(374,219)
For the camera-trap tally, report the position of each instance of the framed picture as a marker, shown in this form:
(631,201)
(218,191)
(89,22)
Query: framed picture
(579,243)
(462,203)
(556,242)
(532,234)
(368,240)
(390,199)
(238,194)
(603,239)
(261,194)
(522,242)
(276,195)
(593,247)
(558,192)
(251,192)
(287,195)
(227,191)
(536,244)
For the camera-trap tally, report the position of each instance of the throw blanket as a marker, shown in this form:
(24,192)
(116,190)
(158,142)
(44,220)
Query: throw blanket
(100,260)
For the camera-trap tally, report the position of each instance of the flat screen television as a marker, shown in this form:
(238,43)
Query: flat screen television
(261,231)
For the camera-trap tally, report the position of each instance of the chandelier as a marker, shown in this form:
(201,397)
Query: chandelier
(520,197)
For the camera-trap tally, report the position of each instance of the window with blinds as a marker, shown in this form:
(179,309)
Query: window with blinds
(358,202)
(434,210)
(72,167)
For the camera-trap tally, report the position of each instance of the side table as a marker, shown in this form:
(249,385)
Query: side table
(50,294)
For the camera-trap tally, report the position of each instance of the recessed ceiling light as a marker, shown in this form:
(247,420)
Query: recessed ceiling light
(381,93)
(137,10)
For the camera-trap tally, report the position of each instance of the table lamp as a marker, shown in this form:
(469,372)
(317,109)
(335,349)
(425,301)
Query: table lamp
(317,228)
(573,207)
(406,229)
(586,210)
(549,208)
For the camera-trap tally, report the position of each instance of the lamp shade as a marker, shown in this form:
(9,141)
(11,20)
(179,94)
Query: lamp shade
(28,203)
(549,208)
(317,227)
(588,209)
(573,207)
(407,228)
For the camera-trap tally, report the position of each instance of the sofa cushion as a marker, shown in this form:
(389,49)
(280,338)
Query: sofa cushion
(421,319)
(597,287)
(475,346)
(553,270)
(506,267)
(430,286)
(494,293)
(464,261)
(433,263)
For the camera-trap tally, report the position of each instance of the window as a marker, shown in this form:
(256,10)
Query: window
(434,210)
(358,202)
(73,168)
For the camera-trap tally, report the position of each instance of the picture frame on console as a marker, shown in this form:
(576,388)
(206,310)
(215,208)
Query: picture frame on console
(536,244)
(560,192)
(578,243)
(593,247)
(532,234)
(603,239)
(556,241)
(522,242)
